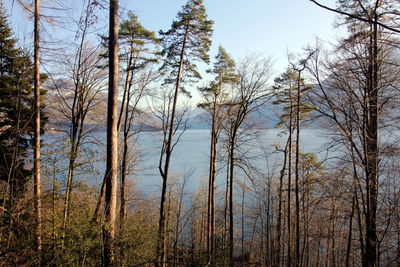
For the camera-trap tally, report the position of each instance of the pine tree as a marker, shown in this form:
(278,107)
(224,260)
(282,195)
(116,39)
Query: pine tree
(214,96)
(139,51)
(187,41)
(290,86)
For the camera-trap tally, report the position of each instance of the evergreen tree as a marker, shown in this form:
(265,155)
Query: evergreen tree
(16,109)
(17,127)
(289,88)
(286,95)
(139,52)
(214,96)
(186,42)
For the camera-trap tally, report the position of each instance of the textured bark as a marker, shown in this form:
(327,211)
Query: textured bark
(36,162)
(372,150)
(112,140)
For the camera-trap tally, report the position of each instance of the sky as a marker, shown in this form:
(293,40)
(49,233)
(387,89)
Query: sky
(272,28)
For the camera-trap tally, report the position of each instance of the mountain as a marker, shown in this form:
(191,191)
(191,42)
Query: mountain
(59,99)
(264,117)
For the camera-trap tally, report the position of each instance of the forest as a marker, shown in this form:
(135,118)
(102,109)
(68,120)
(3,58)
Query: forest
(124,146)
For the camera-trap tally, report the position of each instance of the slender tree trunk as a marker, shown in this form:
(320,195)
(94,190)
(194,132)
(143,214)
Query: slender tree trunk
(243,201)
(348,249)
(100,199)
(122,211)
(124,163)
(279,223)
(99,203)
(330,251)
(398,237)
(289,248)
(167,226)
(71,168)
(306,248)
(77,120)
(297,246)
(168,152)
(210,204)
(112,140)
(226,207)
(372,150)
(54,214)
(36,162)
(231,187)
(177,222)
(318,252)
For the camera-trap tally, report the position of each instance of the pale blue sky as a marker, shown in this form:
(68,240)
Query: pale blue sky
(269,27)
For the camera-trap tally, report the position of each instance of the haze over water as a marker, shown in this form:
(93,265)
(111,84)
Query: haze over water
(192,154)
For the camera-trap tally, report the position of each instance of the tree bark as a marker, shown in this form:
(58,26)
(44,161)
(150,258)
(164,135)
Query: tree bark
(289,250)
(231,167)
(348,249)
(372,150)
(210,204)
(112,140)
(297,246)
(36,162)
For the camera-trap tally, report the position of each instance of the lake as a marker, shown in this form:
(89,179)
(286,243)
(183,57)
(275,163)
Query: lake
(192,153)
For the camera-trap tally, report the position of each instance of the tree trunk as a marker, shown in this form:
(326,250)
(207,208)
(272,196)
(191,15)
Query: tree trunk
(289,249)
(279,223)
(372,150)
(243,202)
(71,168)
(122,211)
(226,206)
(54,204)
(124,163)
(168,152)
(112,140)
(350,233)
(231,167)
(36,162)
(210,204)
(297,246)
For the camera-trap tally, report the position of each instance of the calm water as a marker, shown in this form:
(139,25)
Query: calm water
(192,153)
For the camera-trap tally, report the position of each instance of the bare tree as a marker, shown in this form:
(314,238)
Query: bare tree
(162,109)
(78,95)
(250,93)
(363,76)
